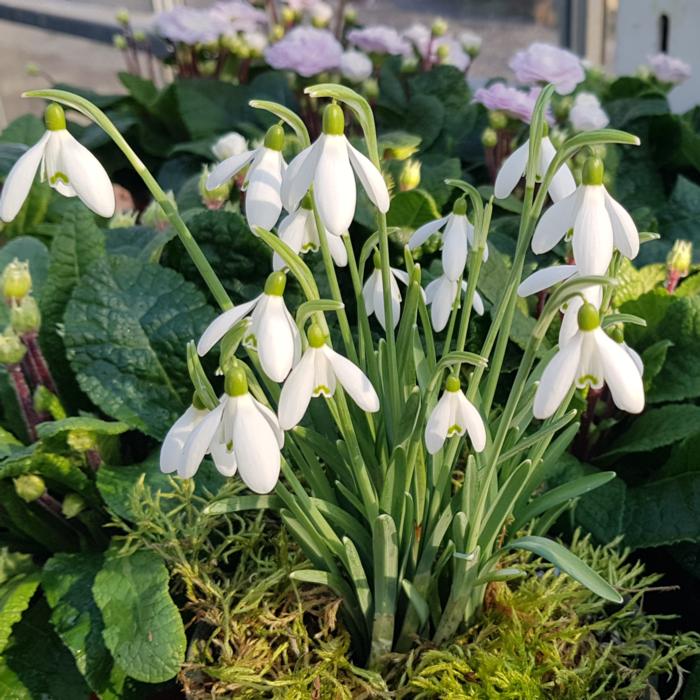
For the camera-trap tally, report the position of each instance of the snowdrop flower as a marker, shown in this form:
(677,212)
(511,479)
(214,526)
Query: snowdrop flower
(441,294)
(454,415)
(669,69)
(67,166)
(298,230)
(513,168)
(229,145)
(263,181)
(373,292)
(544,63)
(505,98)
(379,39)
(355,66)
(241,434)
(599,224)
(328,164)
(306,51)
(174,442)
(590,358)
(272,331)
(317,374)
(586,113)
(457,238)
(617,334)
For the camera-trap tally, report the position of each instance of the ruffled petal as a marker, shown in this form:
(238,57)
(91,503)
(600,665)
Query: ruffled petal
(593,236)
(262,201)
(625,233)
(557,378)
(437,424)
(19,179)
(424,232)
(334,186)
(554,224)
(371,179)
(225,170)
(621,374)
(353,380)
(512,170)
(296,392)
(545,278)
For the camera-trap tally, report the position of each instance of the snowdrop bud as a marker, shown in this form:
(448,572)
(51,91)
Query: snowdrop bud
(16,280)
(316,336)
(274,138)
(439,27)
(12,350)
(55,117)
(25,316)
(680,258)
(333,120)
(410,175)
(119,42)
(236,383)
(489,138)
(588,317)
(72,505)
(593,171)
(497,119)
(29,487)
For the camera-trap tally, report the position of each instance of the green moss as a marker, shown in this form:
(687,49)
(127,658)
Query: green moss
(255,634)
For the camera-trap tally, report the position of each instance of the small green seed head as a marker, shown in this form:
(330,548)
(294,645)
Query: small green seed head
(29,487)
(443,53)
(498,119)
(588,317)
(593,171)
(119,42)
(12,349)
(236,383)
(333,120)
(460,207)
(275,284)
(72,505)
(316,336)
(274,138)
(16,280)
(122,16)
(25,316)
(439,27)
(55,117)
(453,384)
(489,138)
(82,440)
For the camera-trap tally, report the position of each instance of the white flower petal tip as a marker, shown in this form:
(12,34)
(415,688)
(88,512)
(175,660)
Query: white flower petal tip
(545,278)
(225,170)
(263,203)
(511,171)
(171,452)
(373,295)
(454,415)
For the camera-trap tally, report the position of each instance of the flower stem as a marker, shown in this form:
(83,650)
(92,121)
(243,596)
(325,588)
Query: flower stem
(24,399)
(43,373)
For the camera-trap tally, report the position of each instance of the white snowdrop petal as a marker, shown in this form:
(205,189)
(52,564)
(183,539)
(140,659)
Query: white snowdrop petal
(442,296)
(353,380)
(554,224)
(545,278)
(199,441)
(296,392)
(593,236)
(370,178)
(625,233)
(272,421)
(557,379)
(424,232)
(256,447)
(324,376)
(171,450)
(275,339)
(338,251)
(222,324)
(590,369)
(401,276)
(86,176)
(368,292)
(19,180)
(478,303)
(300,174)
(636,358)
(512,170)
(621,374)
(437,424)
(291,230)
(224,459)
(334,186)
(569,321)
(471,419)
(225,170)
(262,202)
(454,249)
(563,183)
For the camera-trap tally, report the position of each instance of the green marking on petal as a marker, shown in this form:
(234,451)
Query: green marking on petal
(58,175)
(322,390)
(587,380)
(454,430)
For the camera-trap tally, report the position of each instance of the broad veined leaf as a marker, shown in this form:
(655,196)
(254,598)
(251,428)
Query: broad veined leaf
(142,625)
(15,594)
(126,328)
(82,423)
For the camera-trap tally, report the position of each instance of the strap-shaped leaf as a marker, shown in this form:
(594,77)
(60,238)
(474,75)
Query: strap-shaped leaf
(611,319)
(309,308)
(386,570)
(199,379)
(236,504)
(417,601)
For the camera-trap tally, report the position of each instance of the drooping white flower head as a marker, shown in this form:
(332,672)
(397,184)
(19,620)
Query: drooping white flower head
(328,164)
(586,113)
(271,331)
(590,358)
(452,416)
(263,180)
(441,294)
(229,145)
(317,374)
(373,292)
(241,434)
(172,449)
(457,239)
(599,224)
(65,164)
(355,66)
(298,230)
(513,168)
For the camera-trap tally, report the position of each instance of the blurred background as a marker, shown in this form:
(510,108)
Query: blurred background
(71,40)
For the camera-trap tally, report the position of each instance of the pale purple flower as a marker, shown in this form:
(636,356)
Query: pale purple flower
(505,98)
(238,16)
(669,69)
(355,66)
(300,6)
(586,113)
(187,25)
(420,37)
(379,39)
(306,51)
(544,63)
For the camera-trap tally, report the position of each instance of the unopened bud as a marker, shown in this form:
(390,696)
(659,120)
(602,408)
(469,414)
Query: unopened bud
(321,14)
(81,440)
(288,15)
(489,138)
(680,258)
(29,487)
(439,27)
(122,16)
(471,43)
(32,69)
(16,280)
(119,42)
(12,349)
(409,178)
(277,32)
(25,316)
(350,14)
(498,120)
(443,53)
(123,219)
(72,505)
(216,198)
(154,216)
(139,37)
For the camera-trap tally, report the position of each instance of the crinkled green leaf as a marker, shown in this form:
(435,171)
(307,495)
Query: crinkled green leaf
(138,242)
(27,129)
(412,209)
(83,423)
(142,625)
(15,594)
(126,329)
